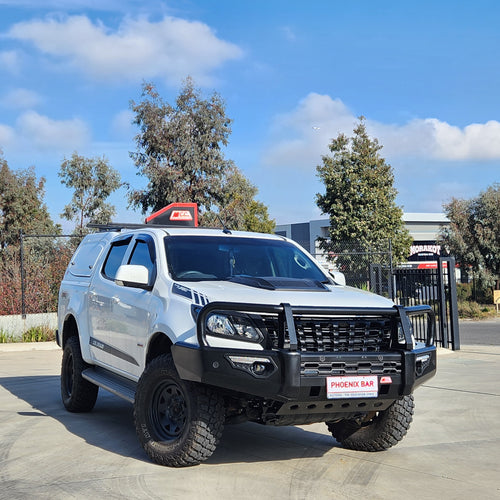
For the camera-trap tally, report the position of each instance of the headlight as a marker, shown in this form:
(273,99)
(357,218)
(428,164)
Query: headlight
(232,326)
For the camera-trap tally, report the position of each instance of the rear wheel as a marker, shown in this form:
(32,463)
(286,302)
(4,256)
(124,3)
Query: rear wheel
(178,423)
(78,394)
(379,430)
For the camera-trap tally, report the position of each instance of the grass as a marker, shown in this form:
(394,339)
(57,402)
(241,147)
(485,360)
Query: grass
(7,338)
(34,334)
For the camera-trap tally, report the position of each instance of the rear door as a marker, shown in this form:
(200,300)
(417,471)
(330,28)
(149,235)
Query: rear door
(100,302)
(119,316)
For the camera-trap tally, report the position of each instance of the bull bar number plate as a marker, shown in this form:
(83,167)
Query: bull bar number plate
(355,386)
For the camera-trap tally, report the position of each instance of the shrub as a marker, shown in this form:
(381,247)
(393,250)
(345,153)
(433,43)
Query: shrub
(468,309)
(7,337)
(39,334)
(464,291)
(472,292)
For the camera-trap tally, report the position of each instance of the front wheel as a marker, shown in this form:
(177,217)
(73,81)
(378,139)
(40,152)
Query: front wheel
(178,423)
(379,430)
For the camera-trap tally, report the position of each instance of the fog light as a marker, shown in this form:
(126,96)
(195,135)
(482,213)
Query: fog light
(255,365)
(259,368)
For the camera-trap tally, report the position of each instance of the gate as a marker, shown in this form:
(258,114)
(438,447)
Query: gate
(415,283)
(431,283)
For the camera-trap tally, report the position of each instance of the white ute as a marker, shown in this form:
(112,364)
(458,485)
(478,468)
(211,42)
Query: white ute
(202,327)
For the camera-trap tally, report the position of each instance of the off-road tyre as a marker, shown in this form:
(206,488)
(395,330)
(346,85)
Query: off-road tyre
(380,431)
(178,423)
(78,395)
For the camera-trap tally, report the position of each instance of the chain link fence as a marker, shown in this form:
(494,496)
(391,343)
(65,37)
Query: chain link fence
(31,269)
(365,267)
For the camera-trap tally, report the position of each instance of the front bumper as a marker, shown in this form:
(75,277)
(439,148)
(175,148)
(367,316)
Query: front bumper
(287,376)
(290,375)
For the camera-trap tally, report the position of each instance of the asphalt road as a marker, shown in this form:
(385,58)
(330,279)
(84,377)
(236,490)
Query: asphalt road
(486,332)
(452,450)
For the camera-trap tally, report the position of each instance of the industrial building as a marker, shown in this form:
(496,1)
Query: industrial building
(423,227)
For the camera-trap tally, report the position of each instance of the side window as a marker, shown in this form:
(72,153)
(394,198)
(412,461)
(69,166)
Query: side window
(143,255)
(114,258)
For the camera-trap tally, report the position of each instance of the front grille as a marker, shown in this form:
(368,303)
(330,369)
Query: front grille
(373,367)
(333,334)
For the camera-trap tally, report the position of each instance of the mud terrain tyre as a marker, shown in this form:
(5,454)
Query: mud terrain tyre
(378,431)
(78,394)
(178,423)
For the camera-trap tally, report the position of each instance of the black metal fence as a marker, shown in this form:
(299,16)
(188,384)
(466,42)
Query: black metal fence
(434,284)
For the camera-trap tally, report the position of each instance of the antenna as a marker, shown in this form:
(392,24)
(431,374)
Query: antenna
(225,230)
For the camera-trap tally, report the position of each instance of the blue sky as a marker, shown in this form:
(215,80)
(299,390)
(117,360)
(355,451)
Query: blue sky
(293,75)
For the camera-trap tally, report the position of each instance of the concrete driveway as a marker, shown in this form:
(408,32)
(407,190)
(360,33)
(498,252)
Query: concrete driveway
(451,451)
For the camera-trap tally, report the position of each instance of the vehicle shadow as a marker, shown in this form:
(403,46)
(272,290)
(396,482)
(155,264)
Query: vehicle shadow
(250,442)
(110,426)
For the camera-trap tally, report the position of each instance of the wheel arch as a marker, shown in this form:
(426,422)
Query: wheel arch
(70,329)
(158,345)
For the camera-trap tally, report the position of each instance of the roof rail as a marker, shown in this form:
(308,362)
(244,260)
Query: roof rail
(117,226)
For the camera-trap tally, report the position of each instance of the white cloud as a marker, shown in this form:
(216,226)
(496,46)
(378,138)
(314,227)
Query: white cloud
(478,141)
(301,136)
(47,134)
(122,125)
(432,138)
(6,136)
(172,48)
(20,99)
(10,61)
(415,138)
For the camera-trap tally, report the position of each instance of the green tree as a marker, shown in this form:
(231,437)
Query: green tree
(180,152)
(179,149)
(360,197)
(238,209)
(473,235)
(21,205)
(22,208)
(92,181)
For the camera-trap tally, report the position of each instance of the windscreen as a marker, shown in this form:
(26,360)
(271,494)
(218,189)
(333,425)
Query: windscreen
(199,258)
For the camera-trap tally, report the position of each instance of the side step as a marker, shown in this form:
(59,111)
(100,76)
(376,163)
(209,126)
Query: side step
(120,386)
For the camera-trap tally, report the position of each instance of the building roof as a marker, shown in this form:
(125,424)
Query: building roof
(425,217)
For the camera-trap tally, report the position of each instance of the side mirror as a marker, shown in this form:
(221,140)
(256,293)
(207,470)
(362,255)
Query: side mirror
(338,277)
(133,276)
